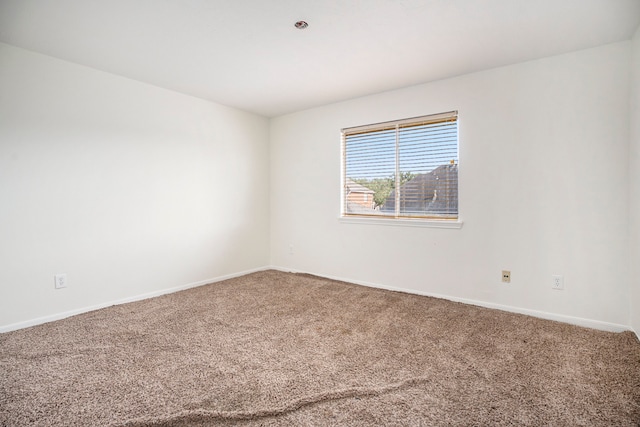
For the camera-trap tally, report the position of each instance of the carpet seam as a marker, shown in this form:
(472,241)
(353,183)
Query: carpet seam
(204,414)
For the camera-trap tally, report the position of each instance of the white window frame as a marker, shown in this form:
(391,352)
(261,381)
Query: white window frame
(427,221)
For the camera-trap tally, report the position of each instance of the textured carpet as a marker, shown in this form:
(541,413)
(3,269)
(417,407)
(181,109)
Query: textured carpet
(274,349)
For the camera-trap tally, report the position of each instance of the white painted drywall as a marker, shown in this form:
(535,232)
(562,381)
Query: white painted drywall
(127,188)
(543,189)
(634,184)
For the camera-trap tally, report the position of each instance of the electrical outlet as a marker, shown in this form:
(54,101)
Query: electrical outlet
(506,276)
(61,280)
(557,282)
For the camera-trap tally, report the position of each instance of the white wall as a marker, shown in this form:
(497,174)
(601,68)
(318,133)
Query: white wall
(634,180)
(543,189)
(131,189)
(127,188)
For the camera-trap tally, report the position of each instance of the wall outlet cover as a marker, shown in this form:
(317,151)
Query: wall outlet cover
(60,280)
(557,282)
(506,276)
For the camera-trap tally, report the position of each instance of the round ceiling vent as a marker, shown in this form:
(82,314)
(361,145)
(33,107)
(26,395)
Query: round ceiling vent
(301,25)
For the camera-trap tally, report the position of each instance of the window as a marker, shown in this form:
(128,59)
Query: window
(409,167)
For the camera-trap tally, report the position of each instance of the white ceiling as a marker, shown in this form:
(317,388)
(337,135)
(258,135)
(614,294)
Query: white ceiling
(248,54)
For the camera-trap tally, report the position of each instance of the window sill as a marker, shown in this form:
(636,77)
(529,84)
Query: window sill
(427,223)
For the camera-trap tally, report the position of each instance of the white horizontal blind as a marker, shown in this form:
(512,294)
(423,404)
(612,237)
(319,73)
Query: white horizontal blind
(402,169)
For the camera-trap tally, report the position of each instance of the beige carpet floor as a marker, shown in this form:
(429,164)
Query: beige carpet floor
(280,349)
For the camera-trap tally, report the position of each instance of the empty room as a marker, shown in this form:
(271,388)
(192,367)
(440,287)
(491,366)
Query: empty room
(319,212)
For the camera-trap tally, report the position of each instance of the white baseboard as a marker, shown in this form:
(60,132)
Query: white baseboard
(58,316)
(579,321)
(594,324)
